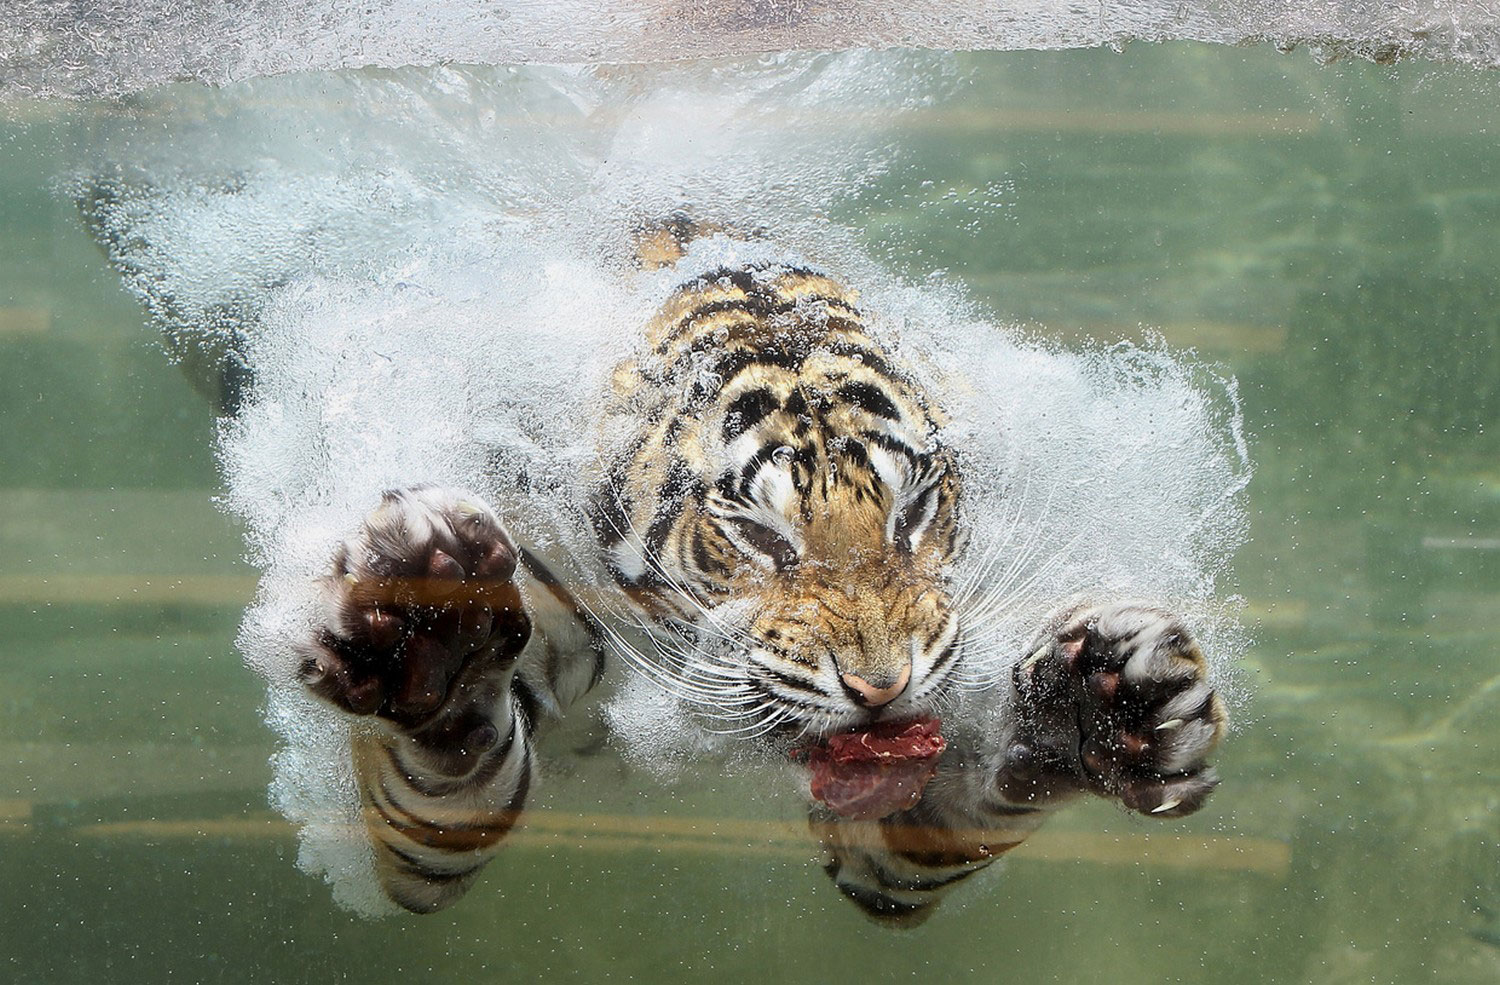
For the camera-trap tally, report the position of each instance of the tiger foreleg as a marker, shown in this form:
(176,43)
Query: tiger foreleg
(1115,701)
(421,631)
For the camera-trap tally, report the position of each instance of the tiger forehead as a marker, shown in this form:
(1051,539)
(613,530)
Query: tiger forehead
(771,354)
(714,306)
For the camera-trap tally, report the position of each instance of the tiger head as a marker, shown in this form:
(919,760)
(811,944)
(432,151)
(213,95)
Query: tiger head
(809,563)
(786,505)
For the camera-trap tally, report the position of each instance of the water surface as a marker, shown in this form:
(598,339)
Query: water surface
(1326,232)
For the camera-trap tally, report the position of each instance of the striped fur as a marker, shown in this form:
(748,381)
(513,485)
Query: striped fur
(789,502)
(782,521)
(898,869)
(985,799)
(456,671)
(432,830)
(787,510)
(436,809)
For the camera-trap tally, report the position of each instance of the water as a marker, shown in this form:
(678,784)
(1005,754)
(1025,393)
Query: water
(1323,233)
(120,46)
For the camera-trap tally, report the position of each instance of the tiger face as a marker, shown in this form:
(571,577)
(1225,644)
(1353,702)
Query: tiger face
(792,521)
(840,552)
(847,641)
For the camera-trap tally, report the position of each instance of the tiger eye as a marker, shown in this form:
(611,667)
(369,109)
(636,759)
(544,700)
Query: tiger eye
(782,552)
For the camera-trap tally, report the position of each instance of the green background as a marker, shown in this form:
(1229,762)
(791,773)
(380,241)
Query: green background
(1326,232)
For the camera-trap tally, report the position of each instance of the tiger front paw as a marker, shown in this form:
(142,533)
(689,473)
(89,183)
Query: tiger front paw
(421,614)
(1120,693)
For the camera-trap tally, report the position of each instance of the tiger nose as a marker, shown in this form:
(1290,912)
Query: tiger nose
(872,696)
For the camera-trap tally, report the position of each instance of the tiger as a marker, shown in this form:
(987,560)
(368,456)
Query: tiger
(779,508)
(783,517)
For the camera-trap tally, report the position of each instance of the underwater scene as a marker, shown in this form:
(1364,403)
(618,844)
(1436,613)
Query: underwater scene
(1210,328)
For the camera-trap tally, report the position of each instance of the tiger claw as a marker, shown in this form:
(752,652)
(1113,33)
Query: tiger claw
(1127,685)
(420,607)
(444,567)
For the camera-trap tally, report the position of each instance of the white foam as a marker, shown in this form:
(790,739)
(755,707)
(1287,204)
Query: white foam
(110,47)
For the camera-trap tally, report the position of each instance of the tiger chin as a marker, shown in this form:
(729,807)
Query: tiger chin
(785,520)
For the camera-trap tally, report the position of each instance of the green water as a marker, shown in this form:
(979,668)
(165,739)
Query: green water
(1328,233)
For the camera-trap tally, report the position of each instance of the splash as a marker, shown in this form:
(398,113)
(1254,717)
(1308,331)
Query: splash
(427,271)
(114,47)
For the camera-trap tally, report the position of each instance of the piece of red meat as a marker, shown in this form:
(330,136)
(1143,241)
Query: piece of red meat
(875,772)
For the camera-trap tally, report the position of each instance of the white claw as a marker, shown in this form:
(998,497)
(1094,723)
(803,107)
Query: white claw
(350,578)
(1169,725)
(1166,805)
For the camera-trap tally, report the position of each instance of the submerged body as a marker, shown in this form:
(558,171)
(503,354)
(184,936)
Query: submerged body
(784,519)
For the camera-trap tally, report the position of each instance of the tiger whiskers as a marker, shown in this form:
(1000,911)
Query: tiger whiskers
(777,715)
(941,702)
(977,575)
(1007,592)
(693,673)
(724,699)
(690,661)
(988,600)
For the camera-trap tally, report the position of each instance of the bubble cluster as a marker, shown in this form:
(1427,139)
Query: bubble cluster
(111,47)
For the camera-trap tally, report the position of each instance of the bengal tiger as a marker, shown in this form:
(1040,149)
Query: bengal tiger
(785,517)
